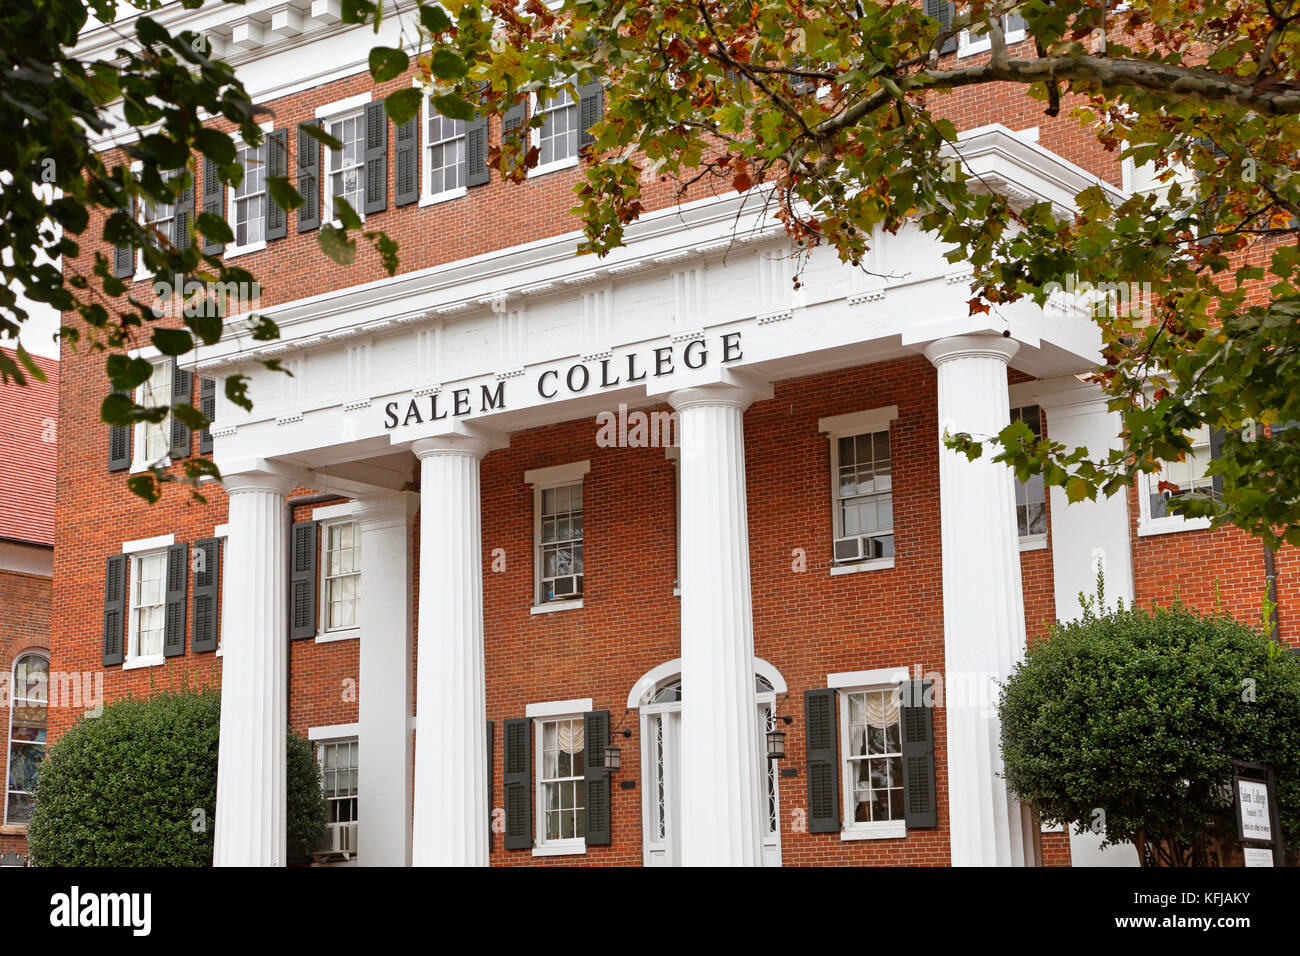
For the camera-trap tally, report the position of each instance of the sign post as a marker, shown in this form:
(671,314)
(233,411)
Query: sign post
(1254,798)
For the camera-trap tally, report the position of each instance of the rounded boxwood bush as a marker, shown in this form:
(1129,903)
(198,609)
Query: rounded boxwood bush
(1131,719)
(137,786)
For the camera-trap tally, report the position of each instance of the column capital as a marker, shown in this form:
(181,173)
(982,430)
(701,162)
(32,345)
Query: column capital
(981,345)
(724,394)
(264,481)
(459,439)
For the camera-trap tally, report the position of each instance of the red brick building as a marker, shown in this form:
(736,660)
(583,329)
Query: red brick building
(28,438)
(514,506)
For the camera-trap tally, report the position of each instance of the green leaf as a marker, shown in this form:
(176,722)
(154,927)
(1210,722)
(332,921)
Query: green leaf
(285,196)
(447,64)
(172,341)
(403,105)
(454,106)
(387,63)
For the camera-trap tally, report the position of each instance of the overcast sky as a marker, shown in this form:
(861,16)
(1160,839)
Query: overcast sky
(37,333)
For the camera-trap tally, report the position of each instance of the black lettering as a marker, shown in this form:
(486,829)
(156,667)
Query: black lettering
(604,374)
(586,378)
(664,356)
(495,399)
(542,378)
(697,344)
(412,410)
(433,409)
(461,399)
(631,370)
(731,350)
(390,415)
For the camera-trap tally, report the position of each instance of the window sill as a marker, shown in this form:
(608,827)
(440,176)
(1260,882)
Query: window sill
(346,634)
(1035,542)
(134,663)
(139,466)
(1153,526)
(969,47)
(877,831)
(556,606)
(13,829)
(562,848)
(878,565)
(553,167)
(427,200)
(234,252)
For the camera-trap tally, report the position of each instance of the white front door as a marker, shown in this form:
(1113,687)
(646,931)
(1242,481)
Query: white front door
(661,736)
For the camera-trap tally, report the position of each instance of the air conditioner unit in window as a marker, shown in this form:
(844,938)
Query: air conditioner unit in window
(849,549)
(338,843)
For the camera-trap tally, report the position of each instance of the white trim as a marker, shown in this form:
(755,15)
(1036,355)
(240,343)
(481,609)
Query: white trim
(983,43)
(337,112)
(559,708)
(557,475)
(880,564)
(326,634)
(232,249)
(333,731)
(331,512)
(573,605)
(656,675)
(576,847)
(1033,542)
(856,423)
(221,531)
(140,430)
(535,133)
(1169,524)
(349,105)
(861,680)
(885,830)
(153,660)
(148,544)
(428,198)
(342,634)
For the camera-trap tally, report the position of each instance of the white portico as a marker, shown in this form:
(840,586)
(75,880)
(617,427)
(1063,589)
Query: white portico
(409,383)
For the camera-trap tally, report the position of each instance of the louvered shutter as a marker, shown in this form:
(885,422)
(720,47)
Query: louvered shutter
(820,737)
(595,726)
(515,117)
(114,607)
(476,149)
(184,216)
(119,446)
(208,406)
(376,158)
(124,256)
(406,163)
(308,179)
(174,613)
(516,785)
(214,203)
(207,595)
(1217,438)
(302,581)
(942,10)
(591,105)
(277,165)
(491,731)
(182,394)
(920,801)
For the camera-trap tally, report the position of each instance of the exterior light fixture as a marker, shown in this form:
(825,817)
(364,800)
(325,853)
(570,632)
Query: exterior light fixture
(614,753)
(776,737)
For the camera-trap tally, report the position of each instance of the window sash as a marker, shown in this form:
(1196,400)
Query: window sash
(148,604)
(153,439)
(1031,494)
(872,757)
(557,138)
(444,154)
(560,543)
(248,205)
(342,590)
(561,787)
(28,715)
(338,766)
(347,166)
(863,496)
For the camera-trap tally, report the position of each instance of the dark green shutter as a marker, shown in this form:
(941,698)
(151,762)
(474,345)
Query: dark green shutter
(182,394)
(516,783)
(208,406)
(591,105)
(308,178)
(942,10)
(124,256)
(820,737)
(476,151)
(302,581)
(277,165)
(515,117)
(119,446)
(1217,438)
(207,595)
(376,198)
(406,163)
(491,731)
(920,801)
(595,727)
(114,607)
(184,216)
(214,203)
(174,619)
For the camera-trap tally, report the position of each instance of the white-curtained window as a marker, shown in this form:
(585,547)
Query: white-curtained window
(148,605)
(873,757)
(561,791)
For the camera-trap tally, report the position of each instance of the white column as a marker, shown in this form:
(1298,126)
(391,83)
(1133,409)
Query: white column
(983,609)
(719,744)
(451,811)
(250,822)
(384,712)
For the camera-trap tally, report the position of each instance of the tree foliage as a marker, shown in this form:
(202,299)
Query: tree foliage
(137,786)
(1130,719)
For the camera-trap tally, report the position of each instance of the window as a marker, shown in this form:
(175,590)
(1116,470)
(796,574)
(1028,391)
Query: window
(873,758)
(557,139)
(557,535)
(159,218)
(248,199)
(1013,28)
(27,722)
(1181,477)
(342,576)
(153,439)
(864,498)
(347,166)
(561,788)
(1031,495)
(148,606)
(338,766)
(445,155)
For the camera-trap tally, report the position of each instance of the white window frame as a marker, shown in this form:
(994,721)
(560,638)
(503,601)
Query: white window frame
(836,427)
(535,133)
(142,273)
(332,736)
(336,113)
(132,658)
(874,681)
(233,248)
(543,479)
(969,44)
(542,715)
(9,740)
(352,631)
(1035,541)
(139,433)
(1170,523)
(427,196)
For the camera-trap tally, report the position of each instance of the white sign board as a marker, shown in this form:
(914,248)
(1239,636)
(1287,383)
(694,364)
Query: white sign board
(1255,822)
(1256,856)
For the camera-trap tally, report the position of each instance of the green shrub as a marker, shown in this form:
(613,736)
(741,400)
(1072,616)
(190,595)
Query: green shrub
(137,786)
(1138,714)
